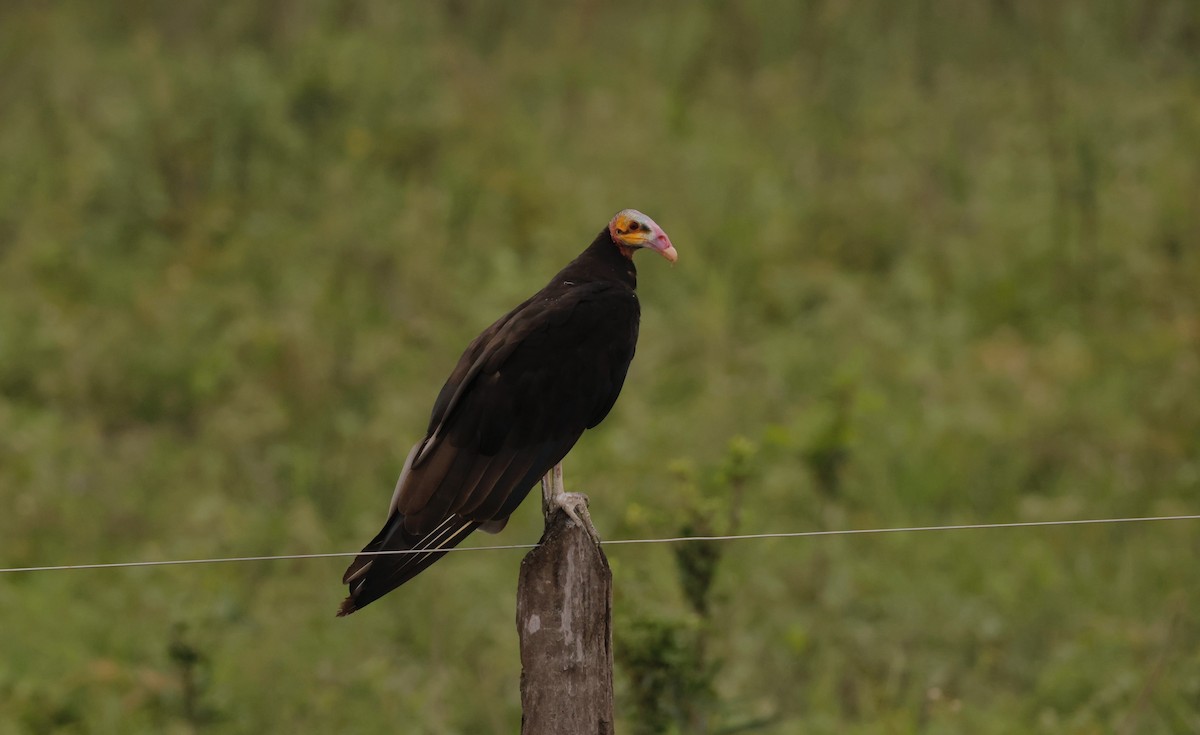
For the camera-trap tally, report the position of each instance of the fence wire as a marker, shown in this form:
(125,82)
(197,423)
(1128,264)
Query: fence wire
(615,542)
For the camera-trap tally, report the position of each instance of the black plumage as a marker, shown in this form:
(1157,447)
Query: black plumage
(520,397)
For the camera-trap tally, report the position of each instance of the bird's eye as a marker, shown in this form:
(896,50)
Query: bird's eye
(635,226)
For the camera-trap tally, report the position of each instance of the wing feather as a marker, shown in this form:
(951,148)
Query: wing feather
(519,398)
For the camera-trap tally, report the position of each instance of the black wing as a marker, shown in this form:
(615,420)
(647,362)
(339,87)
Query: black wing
(518,400)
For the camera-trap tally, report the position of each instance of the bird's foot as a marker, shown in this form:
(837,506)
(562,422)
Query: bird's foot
(575,505)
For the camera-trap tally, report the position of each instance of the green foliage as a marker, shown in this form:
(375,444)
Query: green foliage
(192,665)
(938,263)
(697,564)
(668,679)
(710,509)
(828,450)
(667,660)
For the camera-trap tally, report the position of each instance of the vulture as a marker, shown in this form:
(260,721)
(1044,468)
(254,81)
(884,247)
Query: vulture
(521,395)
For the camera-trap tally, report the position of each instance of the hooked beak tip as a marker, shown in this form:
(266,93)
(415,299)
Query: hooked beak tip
(662,245)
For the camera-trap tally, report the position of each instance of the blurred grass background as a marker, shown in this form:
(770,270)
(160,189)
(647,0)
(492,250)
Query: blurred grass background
(940,263)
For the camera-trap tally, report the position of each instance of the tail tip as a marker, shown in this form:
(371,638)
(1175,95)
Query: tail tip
(348,606)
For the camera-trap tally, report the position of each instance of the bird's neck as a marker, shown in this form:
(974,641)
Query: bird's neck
(603,259)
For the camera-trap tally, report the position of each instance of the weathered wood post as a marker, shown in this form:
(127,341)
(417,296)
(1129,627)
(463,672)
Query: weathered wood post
(564,620)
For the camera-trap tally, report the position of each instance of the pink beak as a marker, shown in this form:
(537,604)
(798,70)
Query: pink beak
(662,245)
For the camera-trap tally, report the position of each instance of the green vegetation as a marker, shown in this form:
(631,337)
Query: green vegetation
(939,263)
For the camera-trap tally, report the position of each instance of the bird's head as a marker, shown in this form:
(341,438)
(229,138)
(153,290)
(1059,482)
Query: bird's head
(631,230)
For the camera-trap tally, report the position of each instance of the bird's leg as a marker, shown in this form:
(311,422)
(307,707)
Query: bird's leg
(575,505)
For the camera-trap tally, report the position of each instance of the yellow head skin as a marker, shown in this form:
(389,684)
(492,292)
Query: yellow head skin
(632,230)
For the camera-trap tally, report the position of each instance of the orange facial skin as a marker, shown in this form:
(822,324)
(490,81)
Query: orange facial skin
(632,230)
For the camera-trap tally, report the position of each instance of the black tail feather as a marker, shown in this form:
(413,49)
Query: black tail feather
(373,576)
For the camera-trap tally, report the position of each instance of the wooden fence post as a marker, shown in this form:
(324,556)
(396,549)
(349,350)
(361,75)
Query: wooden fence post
(564,620)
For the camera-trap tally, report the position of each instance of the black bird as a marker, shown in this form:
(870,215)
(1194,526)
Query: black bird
(518,400)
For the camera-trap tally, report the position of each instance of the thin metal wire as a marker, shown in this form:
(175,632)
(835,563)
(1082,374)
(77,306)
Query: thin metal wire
(616,542)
